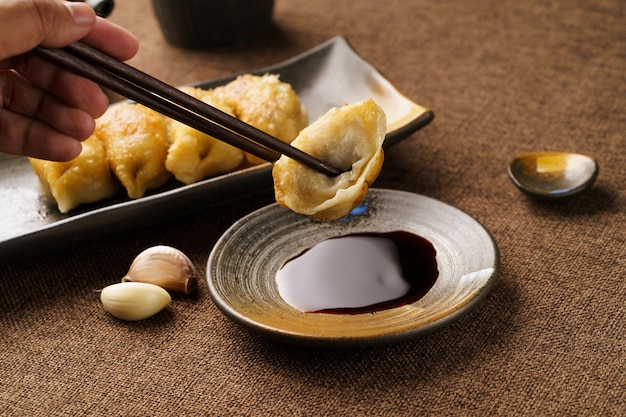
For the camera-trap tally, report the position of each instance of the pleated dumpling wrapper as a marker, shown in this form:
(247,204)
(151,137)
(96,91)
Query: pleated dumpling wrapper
(266,103)
(349,138)
(85,179)
(193,155)
(135,138)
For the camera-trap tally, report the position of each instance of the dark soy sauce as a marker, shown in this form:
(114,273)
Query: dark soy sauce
(407,261)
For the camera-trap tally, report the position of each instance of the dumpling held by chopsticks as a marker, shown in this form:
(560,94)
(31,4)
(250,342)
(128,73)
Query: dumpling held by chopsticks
(349,138)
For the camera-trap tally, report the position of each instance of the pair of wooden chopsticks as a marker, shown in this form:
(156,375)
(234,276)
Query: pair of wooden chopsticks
(170,101)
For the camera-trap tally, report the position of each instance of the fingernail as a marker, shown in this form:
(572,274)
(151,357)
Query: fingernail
(82,13)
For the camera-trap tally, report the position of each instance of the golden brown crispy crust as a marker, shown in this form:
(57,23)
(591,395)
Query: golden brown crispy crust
(349,138)
(144,148)
(85,179)
(135,138)
(193,155)
(267,104)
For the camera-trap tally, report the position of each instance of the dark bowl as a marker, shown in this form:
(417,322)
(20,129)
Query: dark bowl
(206,24)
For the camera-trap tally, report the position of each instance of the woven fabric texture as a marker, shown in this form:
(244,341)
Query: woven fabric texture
(502,77)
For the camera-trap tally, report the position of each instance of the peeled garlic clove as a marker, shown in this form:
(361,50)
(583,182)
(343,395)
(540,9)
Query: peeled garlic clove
(134,301)
(164,266)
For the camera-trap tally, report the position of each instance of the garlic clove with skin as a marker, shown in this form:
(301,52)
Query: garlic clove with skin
(164,266)
(133,301)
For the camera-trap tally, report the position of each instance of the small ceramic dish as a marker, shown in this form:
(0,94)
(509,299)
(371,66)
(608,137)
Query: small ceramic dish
(242,267)
(553,176)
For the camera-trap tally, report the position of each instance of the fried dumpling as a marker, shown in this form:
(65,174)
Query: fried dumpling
(85,179)
(350,138)
(267,104)
(193,155)
(135,138)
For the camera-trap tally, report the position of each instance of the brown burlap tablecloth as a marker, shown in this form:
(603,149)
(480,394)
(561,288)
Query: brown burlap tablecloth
(502,77)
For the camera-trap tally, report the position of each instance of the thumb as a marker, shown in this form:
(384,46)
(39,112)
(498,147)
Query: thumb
(52,23)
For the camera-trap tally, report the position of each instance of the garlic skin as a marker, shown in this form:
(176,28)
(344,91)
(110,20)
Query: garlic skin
(133,301)
(164,266)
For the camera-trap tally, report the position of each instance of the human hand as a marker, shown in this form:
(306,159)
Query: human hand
(45,111)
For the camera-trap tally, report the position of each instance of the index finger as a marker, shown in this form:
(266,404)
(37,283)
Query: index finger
(112,39)
(26,24)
